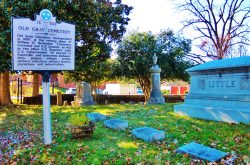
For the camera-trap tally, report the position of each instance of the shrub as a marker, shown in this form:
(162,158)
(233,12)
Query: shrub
(77,120)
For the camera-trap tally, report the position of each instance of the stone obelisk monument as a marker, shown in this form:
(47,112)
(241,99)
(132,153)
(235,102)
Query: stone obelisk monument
(156,96)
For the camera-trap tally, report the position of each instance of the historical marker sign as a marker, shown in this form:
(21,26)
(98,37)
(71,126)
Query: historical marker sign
(46,46)
(42,44)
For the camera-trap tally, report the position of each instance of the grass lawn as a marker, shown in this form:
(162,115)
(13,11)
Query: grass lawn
(22,140)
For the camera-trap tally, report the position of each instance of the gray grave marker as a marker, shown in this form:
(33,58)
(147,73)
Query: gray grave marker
(83,95)
(219,91)
(201,152)
(95,117)
(156,96)
(152,111)
(148,134)
(116,124)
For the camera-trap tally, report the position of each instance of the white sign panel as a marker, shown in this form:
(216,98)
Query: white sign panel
(42,44)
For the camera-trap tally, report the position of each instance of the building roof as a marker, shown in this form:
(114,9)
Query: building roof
(220,64)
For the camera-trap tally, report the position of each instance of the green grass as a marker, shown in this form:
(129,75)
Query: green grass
(109,146)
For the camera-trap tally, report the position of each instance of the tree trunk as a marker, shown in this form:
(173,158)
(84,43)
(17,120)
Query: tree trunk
(35,84)
(220,53)
(93,90)
(146,92)
(0,90)
(145,84)
(5,89)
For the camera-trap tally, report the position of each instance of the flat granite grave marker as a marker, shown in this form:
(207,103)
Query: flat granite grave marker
(95,117)
(202,152)
(152,111)
(116,124)
(220,91)
(148,134)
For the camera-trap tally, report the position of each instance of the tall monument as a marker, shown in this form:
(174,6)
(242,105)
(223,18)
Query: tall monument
(155,94)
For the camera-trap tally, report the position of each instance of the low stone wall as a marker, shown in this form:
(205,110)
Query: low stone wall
(111,99)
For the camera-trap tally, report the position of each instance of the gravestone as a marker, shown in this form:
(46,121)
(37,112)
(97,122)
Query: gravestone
(65,103)
(131,102)
(148,134)
(95,117)
(220,91)
(75,103)
(202,152)
(156,96)
(122,102)
(116,124)
(83,94)
(152,111)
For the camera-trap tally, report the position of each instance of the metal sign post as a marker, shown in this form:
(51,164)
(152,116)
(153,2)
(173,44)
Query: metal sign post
(18,84)
(46,109)
(44,46)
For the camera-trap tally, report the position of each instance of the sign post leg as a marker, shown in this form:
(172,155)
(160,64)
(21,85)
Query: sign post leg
(46,109)
(18,89)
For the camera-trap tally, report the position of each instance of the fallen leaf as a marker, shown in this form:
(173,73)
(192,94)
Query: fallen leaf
(165,151)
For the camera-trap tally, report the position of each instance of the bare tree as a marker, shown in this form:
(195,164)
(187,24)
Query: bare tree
(222,25)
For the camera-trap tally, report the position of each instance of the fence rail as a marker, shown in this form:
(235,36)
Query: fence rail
(20,89)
